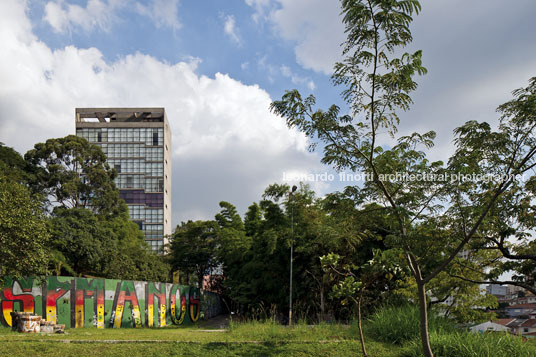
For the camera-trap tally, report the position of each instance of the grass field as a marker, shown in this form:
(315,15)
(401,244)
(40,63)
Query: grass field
(392,332)
(248,339)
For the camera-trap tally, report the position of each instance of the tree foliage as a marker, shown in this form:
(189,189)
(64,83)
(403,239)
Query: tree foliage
(253,254)
(24,236)
(193,247)
(71,172)
(435,216)
(60,209)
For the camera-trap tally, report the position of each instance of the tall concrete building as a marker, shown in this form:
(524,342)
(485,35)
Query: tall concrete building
(137,142)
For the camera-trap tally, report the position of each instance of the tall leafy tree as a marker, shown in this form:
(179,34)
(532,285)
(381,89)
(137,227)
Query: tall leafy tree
(86,244)
(233,246)
(82,241)
(507,230)
(24,236)
(12,164)
(71,172)
(247,251)
(193,248)
(131,258)
(433,218)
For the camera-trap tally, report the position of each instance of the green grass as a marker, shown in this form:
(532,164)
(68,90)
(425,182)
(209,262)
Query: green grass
(463,344)
(400,327)
(392,333)
(401,324)
(185,349)
(243,339)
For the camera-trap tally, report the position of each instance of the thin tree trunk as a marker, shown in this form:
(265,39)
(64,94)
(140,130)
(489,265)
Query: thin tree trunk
(322,304)
(423,311)
(361,338)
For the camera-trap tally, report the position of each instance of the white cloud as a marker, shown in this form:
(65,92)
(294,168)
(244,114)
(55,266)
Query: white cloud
(165,13)
(226,143)
(270,69)
(316,28)
(230,28)
(63,16)
(313,25)
(99,14)
(260,7)
(296,79)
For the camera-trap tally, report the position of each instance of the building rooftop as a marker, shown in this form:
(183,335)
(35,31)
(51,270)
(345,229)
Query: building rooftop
(504,322)
(521,306)
(529,323)
(110,115)
(516,322)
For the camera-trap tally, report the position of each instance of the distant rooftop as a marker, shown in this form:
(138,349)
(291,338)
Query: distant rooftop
(521,306)
(110,115)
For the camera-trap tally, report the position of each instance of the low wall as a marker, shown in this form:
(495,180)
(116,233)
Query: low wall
(104,303)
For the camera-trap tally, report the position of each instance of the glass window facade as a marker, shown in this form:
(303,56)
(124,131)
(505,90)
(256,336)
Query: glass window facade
(137,154)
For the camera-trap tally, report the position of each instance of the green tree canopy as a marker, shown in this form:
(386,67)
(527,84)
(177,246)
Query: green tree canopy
(193,248)
(435,216)
(24,237)
(71,172)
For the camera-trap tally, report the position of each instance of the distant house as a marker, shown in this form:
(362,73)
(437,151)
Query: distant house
(519,310)
(526,299)
(527,327)
(489,326)
(515,326)
(530,335)
(504,322)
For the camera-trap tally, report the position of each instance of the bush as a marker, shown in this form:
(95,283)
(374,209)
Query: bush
(466,344)
(400,324)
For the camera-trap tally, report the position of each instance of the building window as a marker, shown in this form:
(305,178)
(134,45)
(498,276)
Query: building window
(99,137)
(130,181)
(155,138)
(117,168)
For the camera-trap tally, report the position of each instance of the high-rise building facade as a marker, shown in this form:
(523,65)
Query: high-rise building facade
(137,142)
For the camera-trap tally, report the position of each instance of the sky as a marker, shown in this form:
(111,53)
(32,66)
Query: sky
(217,65)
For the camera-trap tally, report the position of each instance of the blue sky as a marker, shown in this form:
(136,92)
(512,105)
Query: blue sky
(216,66)
(229,37)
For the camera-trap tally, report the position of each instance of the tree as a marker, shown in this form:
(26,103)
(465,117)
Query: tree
(71,172)
(262,244)
(508,229)
(87,244)
(193,248)
(12,164)
(132,258)
(434,218)
(23,232)
(357,279)
(233,247)
(82,240)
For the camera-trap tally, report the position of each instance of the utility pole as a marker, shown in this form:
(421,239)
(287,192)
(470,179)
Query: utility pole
(291,201)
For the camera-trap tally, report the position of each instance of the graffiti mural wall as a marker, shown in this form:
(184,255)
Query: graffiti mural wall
(106,303)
